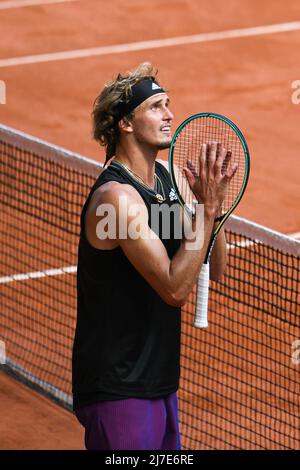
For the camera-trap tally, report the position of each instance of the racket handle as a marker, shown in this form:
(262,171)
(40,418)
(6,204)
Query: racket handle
(202,297)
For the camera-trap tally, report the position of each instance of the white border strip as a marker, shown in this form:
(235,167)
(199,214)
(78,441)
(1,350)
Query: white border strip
(295,235)
(28,3)
(242,244)
(41,147)
(38,274)
(152,44)
(262,234)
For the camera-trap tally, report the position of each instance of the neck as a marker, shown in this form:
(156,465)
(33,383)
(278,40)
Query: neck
(142,163)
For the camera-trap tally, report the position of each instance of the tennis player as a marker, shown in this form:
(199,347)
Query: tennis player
(131,287)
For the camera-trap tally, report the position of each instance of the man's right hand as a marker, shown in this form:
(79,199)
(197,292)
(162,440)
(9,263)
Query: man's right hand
(216,170)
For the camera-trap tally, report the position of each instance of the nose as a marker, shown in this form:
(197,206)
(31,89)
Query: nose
(168,114)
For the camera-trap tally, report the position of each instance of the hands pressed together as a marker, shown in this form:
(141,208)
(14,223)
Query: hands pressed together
(216,170)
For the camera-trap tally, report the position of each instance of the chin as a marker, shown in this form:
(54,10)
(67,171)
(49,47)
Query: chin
(164,145)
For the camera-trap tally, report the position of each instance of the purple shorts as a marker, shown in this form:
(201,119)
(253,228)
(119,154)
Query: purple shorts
(131,424)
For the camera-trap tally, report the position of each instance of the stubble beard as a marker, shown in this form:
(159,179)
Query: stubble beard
(164,145)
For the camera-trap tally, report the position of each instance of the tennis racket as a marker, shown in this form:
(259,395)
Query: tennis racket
(186,143)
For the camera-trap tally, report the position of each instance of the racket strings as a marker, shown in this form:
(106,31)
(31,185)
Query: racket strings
(205,130)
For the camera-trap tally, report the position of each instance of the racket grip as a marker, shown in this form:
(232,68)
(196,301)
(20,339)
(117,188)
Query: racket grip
(202,297)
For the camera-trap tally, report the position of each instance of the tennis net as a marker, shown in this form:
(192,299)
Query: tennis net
(239,378)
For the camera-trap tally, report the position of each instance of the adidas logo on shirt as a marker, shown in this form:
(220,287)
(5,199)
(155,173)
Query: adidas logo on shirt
(155,86)
(172,195)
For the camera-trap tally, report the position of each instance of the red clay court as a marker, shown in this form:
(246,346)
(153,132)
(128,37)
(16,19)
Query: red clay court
(238,61)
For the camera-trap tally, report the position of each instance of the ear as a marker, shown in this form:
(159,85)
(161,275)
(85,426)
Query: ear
(125,125)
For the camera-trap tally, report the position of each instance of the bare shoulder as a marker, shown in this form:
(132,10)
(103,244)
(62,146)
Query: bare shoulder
(110,192)
(107,202)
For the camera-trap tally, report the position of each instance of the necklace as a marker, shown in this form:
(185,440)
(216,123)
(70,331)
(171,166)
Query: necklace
(159,197)
(140,180)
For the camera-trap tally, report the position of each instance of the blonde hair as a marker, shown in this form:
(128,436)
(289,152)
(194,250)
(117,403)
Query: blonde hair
(105,109)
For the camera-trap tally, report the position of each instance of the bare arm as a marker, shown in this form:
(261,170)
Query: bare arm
(213,170)
(172,279)
(218,259)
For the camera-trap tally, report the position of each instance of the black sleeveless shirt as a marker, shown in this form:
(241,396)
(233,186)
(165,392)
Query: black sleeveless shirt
(127,339)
